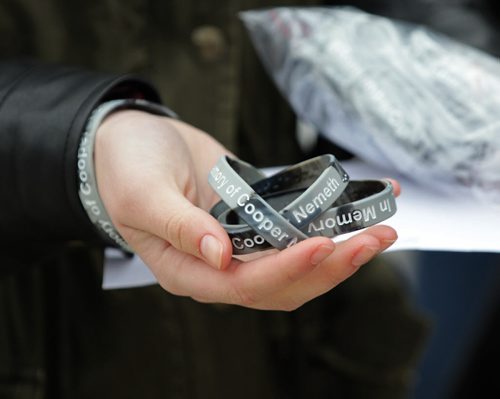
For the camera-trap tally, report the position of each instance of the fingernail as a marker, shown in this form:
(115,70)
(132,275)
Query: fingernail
(388,242)
(364,255)
(211,249)
(321,253)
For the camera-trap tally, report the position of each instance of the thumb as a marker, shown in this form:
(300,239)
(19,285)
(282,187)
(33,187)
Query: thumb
(186,227)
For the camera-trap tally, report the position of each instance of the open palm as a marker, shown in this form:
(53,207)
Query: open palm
(152,176)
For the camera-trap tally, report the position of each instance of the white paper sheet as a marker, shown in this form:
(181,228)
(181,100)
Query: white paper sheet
(432,220)
(425,220)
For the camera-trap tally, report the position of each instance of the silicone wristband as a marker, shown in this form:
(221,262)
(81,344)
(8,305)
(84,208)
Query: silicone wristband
(88,193)
(279,229)
(362,204)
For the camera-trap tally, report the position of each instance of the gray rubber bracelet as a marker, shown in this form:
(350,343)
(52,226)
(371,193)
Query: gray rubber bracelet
(88,193)
(280,229)
(363,204)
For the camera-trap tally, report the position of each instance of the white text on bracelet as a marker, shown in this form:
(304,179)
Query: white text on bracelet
(313,206)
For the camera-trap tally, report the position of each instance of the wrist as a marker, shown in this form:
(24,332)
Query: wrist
(100,120)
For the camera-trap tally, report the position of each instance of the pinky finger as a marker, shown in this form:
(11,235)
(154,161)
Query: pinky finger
(349,256)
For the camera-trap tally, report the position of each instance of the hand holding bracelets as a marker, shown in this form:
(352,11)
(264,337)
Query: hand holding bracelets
(89,195)
(313,197)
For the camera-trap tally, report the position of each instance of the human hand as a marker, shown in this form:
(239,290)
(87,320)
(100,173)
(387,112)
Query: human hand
(152,177)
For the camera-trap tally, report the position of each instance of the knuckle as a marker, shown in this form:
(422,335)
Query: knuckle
(290,275)
(175,230)
(286,273)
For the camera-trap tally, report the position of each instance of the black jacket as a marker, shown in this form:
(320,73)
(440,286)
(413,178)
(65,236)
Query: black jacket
(43,110)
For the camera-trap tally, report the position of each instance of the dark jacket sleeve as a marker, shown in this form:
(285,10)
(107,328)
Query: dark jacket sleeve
(43,111)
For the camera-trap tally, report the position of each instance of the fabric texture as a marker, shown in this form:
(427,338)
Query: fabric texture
(43,110)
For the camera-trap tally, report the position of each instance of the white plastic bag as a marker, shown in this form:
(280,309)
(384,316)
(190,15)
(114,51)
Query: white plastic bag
(394,94)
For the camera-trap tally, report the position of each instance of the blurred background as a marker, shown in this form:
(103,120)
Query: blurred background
(200,56)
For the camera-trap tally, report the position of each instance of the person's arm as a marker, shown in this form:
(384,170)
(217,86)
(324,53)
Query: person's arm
(43,111)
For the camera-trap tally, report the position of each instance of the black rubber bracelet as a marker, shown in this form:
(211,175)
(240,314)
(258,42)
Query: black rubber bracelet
(363,204)
(326,180)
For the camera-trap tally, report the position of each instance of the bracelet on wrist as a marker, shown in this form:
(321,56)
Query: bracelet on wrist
(88,192)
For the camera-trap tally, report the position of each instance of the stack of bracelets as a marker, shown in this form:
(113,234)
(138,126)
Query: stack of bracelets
(311,198)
